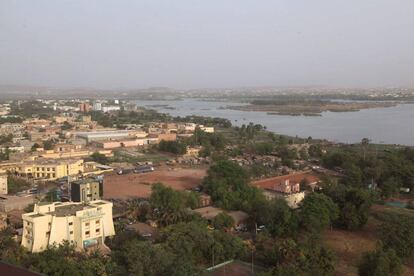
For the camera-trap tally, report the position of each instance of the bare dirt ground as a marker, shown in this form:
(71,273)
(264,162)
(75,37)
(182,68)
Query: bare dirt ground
(139,185)
(349,246)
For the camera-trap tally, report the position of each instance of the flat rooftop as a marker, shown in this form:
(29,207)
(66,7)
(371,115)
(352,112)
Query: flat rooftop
(69,210)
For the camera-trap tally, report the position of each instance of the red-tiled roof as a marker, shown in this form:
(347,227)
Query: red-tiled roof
(270,183)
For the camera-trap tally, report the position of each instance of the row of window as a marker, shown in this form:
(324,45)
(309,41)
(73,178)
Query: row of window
(88,233)
(47,169)
(97,222)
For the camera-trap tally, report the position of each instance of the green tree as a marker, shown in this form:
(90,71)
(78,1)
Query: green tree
(193,241)
(315,151)
(35,147)
(380,263)
(287,257)
(228,185)
(278,218)
(6,139)
(168,204)
(48,145)
(17,184)
(99,158)
(390,187)
(223,221)
(142,258)
(172,146)
(318,212)
(66,126)
(354,205)
(397,233)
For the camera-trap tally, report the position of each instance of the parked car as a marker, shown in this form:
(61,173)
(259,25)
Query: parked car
(123,171)
(143,169)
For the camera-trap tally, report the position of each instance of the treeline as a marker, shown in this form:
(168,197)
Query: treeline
(210,142)
(386,170)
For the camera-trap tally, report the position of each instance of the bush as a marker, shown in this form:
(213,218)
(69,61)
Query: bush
(380,262)
(172,146)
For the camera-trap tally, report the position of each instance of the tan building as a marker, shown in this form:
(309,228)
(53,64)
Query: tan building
(206,129)
(210,212)
(50,168)
(84,225)
(84,107)
(287,187)
(3,184)
(192,151)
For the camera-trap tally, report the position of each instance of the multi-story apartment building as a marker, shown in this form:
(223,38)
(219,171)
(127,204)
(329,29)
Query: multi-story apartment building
(50,168)
(86,190)
(84,225)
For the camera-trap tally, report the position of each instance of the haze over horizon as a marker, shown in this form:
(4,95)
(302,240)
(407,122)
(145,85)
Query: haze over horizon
(198,44)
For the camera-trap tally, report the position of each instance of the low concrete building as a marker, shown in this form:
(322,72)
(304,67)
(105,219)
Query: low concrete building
(210,212)
(83,225)
(124,143)
(3,184)
(50,168)
(204,200)
(192,151)
(206,129)
(164,136)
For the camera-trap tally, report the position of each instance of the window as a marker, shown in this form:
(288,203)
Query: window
(87,224)
(71,232)
(97,230)
(70,223)
(98,221)
(87,233)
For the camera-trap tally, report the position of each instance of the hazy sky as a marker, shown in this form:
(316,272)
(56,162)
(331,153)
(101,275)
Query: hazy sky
(206,43)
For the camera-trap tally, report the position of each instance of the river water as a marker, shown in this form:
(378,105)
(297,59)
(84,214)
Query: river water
(391,125)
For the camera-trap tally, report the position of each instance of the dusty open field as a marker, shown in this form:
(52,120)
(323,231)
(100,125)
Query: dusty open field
(139,185)
(350,245)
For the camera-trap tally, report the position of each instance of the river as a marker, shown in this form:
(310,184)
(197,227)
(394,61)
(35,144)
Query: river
(390,125)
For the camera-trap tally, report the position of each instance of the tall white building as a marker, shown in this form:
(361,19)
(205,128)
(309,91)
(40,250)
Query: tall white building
(84,225)
(97,106)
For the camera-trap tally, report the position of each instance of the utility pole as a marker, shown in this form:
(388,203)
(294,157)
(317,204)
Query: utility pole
(252,261)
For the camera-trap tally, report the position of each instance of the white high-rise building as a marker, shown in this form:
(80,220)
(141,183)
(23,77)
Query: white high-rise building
(97,106)
(83,224)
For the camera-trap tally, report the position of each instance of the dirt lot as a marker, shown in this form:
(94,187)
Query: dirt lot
(139,185)
(350,245)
